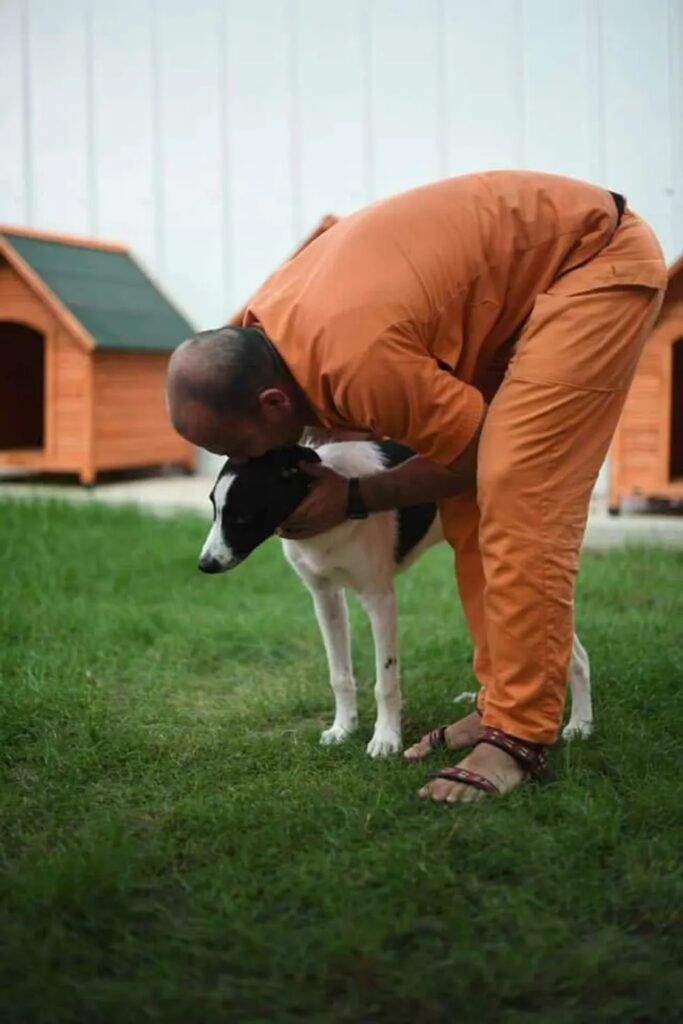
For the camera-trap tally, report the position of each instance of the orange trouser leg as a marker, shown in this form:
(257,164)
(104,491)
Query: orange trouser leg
(545,438)
(460,522)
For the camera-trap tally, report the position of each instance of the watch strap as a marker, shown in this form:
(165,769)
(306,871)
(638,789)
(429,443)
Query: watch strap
(355,506)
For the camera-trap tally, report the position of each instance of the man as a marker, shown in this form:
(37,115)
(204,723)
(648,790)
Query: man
(493,323)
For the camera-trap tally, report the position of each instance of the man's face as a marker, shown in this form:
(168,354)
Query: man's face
(239,437)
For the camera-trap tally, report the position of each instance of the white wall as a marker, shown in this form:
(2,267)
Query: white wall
(211,135)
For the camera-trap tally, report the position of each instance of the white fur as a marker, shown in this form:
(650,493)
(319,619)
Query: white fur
(359,555)
(580,724)
(214,546)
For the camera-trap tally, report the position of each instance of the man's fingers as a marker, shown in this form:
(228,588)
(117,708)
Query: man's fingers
(295,534)
(322,508)
(291,526)
(299,517)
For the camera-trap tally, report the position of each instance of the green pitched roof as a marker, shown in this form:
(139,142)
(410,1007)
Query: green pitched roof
(107,292)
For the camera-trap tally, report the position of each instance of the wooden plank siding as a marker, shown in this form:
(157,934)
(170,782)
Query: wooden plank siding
(66,381)
(18,302)
(640,463)
(69,401)
(130,423)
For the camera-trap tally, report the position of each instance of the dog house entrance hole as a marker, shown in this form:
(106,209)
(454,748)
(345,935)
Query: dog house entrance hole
(22,386)
(676,454)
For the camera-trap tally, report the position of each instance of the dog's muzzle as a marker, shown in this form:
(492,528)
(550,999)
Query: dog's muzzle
(210,564)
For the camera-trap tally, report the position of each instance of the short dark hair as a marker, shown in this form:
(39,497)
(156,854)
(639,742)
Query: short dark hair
(232,365)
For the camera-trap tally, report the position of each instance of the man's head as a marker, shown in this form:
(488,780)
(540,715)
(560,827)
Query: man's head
(229,392)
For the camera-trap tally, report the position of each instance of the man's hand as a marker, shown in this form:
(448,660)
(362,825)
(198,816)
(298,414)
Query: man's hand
(323,507)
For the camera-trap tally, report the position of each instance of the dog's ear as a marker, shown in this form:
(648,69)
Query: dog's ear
(306,454)
(295,455)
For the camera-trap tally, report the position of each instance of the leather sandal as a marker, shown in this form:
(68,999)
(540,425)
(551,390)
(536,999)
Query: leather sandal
(437,737)
(533,758)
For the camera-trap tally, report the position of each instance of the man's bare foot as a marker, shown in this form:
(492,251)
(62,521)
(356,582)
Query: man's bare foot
(462,733)
(486,760)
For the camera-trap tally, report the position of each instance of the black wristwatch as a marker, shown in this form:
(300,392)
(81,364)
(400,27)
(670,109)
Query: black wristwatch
(355,506)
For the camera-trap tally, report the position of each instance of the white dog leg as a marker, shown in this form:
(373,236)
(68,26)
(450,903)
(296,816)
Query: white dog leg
(333,619)
(580,723)
(381,609)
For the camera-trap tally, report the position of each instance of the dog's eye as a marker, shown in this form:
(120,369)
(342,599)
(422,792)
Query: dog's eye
(240,520)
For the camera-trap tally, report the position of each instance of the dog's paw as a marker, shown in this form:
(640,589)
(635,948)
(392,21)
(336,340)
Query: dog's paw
(384,743)
(580,730)
(334,735)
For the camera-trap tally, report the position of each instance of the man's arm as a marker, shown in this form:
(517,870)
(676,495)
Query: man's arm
(414,482)
(418,480)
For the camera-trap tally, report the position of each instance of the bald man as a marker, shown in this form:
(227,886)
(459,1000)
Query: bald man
(492,323)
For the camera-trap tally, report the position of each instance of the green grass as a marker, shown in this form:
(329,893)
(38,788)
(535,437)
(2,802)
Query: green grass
(176,847)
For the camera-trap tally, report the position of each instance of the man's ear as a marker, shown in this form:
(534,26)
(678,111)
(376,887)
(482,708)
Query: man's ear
(271,399)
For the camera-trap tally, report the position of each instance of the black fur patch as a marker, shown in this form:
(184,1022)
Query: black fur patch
(264,493)
(414,521)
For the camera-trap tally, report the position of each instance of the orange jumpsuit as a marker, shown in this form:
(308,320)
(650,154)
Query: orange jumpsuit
(400,318)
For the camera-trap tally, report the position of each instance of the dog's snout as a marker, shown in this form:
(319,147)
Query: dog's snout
(207,563)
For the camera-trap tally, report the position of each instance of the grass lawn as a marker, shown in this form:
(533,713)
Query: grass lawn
(176,847)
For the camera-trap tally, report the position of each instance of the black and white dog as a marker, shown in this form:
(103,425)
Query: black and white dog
(253,498)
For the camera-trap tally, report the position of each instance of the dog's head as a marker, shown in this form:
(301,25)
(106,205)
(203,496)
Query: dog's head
(250,500)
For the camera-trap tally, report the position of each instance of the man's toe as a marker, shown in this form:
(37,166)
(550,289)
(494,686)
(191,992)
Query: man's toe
(471,795)
(420,749)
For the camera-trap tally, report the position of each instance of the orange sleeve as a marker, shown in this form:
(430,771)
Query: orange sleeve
(397,390)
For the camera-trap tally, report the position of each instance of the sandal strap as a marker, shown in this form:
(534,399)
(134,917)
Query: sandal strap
(456,774)
(533,757)
(437,737)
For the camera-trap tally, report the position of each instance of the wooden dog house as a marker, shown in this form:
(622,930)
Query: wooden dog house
(85,338)
(647,452)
